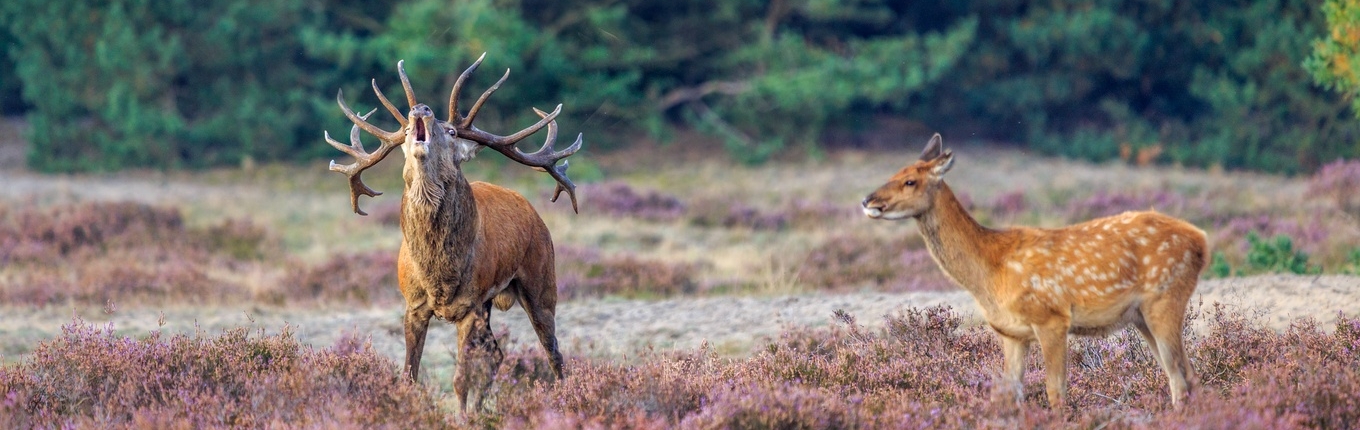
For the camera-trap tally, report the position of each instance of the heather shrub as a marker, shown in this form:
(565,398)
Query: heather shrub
(924,368)
(1340,182)
(123,251)
(620,199)
(732,213)
(240,239)
(362,278)
(586,272)
(1105,203)
(386,212)
(849,262)
(1009,204)
(44,235)
(91,378)
(820,214)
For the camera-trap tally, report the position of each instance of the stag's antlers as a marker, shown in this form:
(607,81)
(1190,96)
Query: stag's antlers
(545,159)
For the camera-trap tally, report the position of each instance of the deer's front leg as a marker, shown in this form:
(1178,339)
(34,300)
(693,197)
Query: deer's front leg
(478,358)
(1053,344)
(416,323)
(1015,352)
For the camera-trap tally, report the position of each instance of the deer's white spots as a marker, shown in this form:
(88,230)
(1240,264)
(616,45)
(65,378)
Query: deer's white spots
(1142,241)
(1151,230)
(1147,259)
(1016,266)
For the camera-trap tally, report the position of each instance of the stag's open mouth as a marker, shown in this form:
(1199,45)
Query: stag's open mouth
(421,136)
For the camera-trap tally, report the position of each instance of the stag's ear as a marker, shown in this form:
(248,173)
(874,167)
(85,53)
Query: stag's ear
(933,149)
(942,163)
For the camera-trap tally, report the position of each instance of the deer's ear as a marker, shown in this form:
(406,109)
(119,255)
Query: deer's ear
(943,163)
(933,148)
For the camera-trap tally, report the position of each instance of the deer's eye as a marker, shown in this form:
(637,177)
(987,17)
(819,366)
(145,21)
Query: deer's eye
(910,183)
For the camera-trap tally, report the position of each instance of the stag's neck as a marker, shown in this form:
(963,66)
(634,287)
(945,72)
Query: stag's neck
(964,249)
(439,226)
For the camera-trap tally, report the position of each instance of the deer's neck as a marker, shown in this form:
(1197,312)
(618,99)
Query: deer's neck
(966,251)
(439,226)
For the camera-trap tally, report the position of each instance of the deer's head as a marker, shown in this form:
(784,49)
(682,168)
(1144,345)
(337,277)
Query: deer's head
(911,192)
(432,145)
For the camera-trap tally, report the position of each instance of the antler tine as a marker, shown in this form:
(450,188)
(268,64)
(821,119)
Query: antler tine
(362,159)
(472,113)
(458,87)
(477,135)
(545,158)
(406,85)
(360,122)
(390,108)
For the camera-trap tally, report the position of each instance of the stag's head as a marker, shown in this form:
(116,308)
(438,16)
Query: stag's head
(432,145)
(911,192)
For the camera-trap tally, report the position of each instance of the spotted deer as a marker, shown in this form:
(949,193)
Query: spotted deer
(1033,284)
(465,246)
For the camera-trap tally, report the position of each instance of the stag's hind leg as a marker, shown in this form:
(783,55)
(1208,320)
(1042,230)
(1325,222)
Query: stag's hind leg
(540,302)
(479,356)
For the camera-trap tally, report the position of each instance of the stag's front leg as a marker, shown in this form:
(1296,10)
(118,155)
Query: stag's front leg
(479,356)
(416,323)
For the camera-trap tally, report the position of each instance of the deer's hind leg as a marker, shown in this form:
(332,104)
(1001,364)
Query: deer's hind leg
(1165,320)
(539,300)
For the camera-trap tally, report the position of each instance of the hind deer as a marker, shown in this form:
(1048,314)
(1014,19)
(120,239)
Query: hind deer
(465,246)
(1136,268)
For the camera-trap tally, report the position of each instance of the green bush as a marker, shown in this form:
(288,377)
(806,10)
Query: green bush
(1352,266)
(1276,255)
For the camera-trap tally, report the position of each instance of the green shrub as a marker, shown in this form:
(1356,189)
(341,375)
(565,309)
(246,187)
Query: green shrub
(1220,267)
(1352,266)
(1276,255)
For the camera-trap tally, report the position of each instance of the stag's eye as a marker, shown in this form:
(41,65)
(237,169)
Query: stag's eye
(909,183)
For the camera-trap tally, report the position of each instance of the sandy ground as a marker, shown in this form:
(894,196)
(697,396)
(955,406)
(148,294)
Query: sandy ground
(732,326)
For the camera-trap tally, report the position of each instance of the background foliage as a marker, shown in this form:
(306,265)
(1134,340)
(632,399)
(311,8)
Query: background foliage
(185,84)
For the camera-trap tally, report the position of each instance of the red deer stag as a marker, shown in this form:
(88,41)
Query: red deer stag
(465,246)
(1034,284)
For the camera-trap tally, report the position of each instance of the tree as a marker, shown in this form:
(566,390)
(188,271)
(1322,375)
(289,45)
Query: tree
(1335,62)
